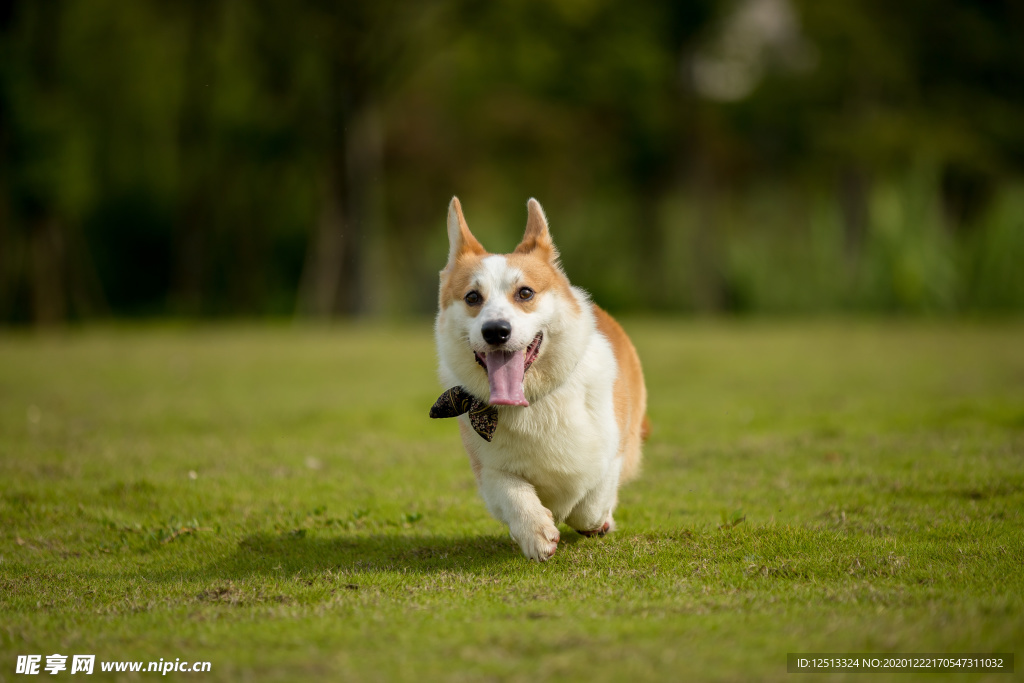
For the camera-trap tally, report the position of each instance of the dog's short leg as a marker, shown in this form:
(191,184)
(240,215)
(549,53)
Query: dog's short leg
(592,516)
(514,501)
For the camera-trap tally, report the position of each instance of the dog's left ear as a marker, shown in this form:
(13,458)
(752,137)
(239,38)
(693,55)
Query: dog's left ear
(537,238)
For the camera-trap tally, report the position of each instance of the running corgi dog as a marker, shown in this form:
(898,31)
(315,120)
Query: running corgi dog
(547,387)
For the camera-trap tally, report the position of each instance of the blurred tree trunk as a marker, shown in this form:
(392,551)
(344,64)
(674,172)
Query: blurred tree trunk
(60,275)
(336,278)
(321,274)
(651,245)
(46,266)
(369,48)
(10,256)
(709,291)
(195,143)
(696,151)
(46,271)
(853,204)
(9,261)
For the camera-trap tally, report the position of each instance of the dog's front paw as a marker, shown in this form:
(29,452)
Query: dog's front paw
(538,538)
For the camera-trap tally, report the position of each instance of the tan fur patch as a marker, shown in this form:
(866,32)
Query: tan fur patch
(541,276)
(630,394)
(457,282)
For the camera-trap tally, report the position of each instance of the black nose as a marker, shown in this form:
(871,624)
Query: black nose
(496,331)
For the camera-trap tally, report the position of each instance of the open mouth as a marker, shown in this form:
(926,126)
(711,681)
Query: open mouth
(506,371)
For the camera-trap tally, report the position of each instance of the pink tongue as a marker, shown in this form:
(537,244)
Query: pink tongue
(505,371)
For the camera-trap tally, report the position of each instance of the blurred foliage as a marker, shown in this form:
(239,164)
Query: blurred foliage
(252,157)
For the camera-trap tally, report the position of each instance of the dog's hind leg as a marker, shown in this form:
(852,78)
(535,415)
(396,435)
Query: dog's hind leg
(592,516)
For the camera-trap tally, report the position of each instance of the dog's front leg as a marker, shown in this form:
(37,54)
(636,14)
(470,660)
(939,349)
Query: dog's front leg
(514,501)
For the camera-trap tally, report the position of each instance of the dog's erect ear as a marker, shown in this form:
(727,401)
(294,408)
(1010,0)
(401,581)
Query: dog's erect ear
(460,239)
(537,238)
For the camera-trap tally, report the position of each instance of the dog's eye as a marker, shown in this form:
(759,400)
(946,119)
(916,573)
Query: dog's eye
(473,298)
(524,294)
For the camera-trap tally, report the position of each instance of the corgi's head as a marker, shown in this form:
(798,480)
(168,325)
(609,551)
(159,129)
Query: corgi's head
(506,322)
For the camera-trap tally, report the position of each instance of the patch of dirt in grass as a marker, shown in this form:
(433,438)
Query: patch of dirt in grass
(230,594)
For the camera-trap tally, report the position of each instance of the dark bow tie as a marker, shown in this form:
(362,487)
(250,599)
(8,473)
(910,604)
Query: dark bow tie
(457,401)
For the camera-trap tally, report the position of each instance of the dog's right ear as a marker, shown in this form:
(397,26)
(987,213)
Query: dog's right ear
(460,239)
(537,237)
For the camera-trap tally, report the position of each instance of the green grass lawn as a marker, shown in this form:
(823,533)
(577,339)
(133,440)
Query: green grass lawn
(275,501)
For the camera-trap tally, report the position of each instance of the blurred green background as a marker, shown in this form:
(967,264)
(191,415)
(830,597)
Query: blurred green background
(247,158)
